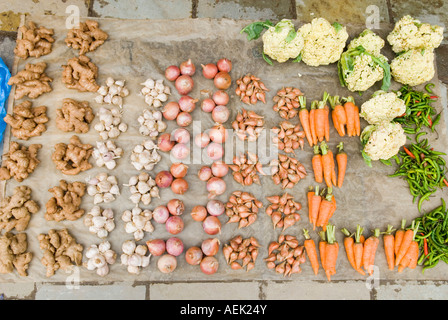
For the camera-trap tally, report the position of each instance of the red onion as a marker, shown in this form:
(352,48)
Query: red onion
(163,179)
(165,143)
(209,265)
(215,207)
(218,133)
(187,68)
(172,72)
(224,65)
(211,225)
(219,169)
(199,213)
(187,103)
(181,135)
(222,80)
(179,186)
(180,151)
(215,151)
(205,173)
(184,84)
(202,140)
(156,247)
(179,170)
(210,246)
(209,70)
(193,256)
(171,110)
(174,224)
(215,187)
(221,97)
(220,114)
(184,119)
(160,214)
(208,105)
(174,246)
(167,263)
(176,207)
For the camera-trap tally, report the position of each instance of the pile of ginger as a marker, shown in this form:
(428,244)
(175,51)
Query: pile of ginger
(73,158)
(27,122)
(32,81)
(19,161)
(35,42)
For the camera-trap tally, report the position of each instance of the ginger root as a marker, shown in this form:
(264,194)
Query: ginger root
(80,73)
(66,201)
(60,251)
(31,81)
(35,41)
(27,122)
(15,211)
(19,161)
(73,158)
(13,253)
(74,116)
(87,37)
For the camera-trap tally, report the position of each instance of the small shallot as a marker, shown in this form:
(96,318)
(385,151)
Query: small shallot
(194,256)
(209,70)
(174,246)
(210,246)
(156,247)
(174,224)
(209,265)
(172,72)
(167,263)
(211,225)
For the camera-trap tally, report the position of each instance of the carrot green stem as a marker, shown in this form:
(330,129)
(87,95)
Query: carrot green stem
(306,234)
(358,233)
(331,237)
(302,102)
(390,229)
(324,147)
(346,232)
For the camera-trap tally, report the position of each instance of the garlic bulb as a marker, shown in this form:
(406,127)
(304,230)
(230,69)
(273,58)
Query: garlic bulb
(143,188)
(151,123)
(103,188)
(155,92)
(112,92)
(100,222)
(137,221)
(110,125)
(105,154)
(99,258)
(145,156)
(134,256)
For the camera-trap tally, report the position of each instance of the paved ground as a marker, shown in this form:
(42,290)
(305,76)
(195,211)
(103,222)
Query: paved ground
(434,11)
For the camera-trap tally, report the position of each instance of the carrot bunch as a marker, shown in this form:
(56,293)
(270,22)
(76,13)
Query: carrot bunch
(401,249)
(321,207)
(361,252)
(345,116)
(328,250)
(315,122)
(311,251)
(324,165)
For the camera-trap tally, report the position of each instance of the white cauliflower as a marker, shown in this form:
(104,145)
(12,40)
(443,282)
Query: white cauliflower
(282,42)
(410,33)
(413,67)
(370,41)
(383,141)
(324,42)
(382,107)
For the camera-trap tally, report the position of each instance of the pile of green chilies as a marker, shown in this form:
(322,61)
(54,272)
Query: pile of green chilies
(432,237)
(423,168)
(419,111)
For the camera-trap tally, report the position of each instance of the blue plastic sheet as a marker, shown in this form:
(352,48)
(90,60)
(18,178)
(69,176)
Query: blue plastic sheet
(5,89)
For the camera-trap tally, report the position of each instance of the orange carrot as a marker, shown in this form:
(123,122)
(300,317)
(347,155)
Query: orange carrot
(348,245)
(389,246)
(357,122)
(333,168)
(311,251)
(399,237)
(338,115)
(327,117)
(314,207)
(313,121)
(322,246)
(316,162)
(349,107)
(410,258)
(341,160)
(325,209)
(326,164)
(304,117)
(358,248)
(405,243)
(319,120)
(331,252)
(309,196)
(369,252)
(334,205)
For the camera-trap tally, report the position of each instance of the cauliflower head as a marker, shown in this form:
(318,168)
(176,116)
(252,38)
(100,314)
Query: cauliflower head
(370,41)
(410,33)
(281,42)
(323,42)
(382,107)
(383,141)
(413,67)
